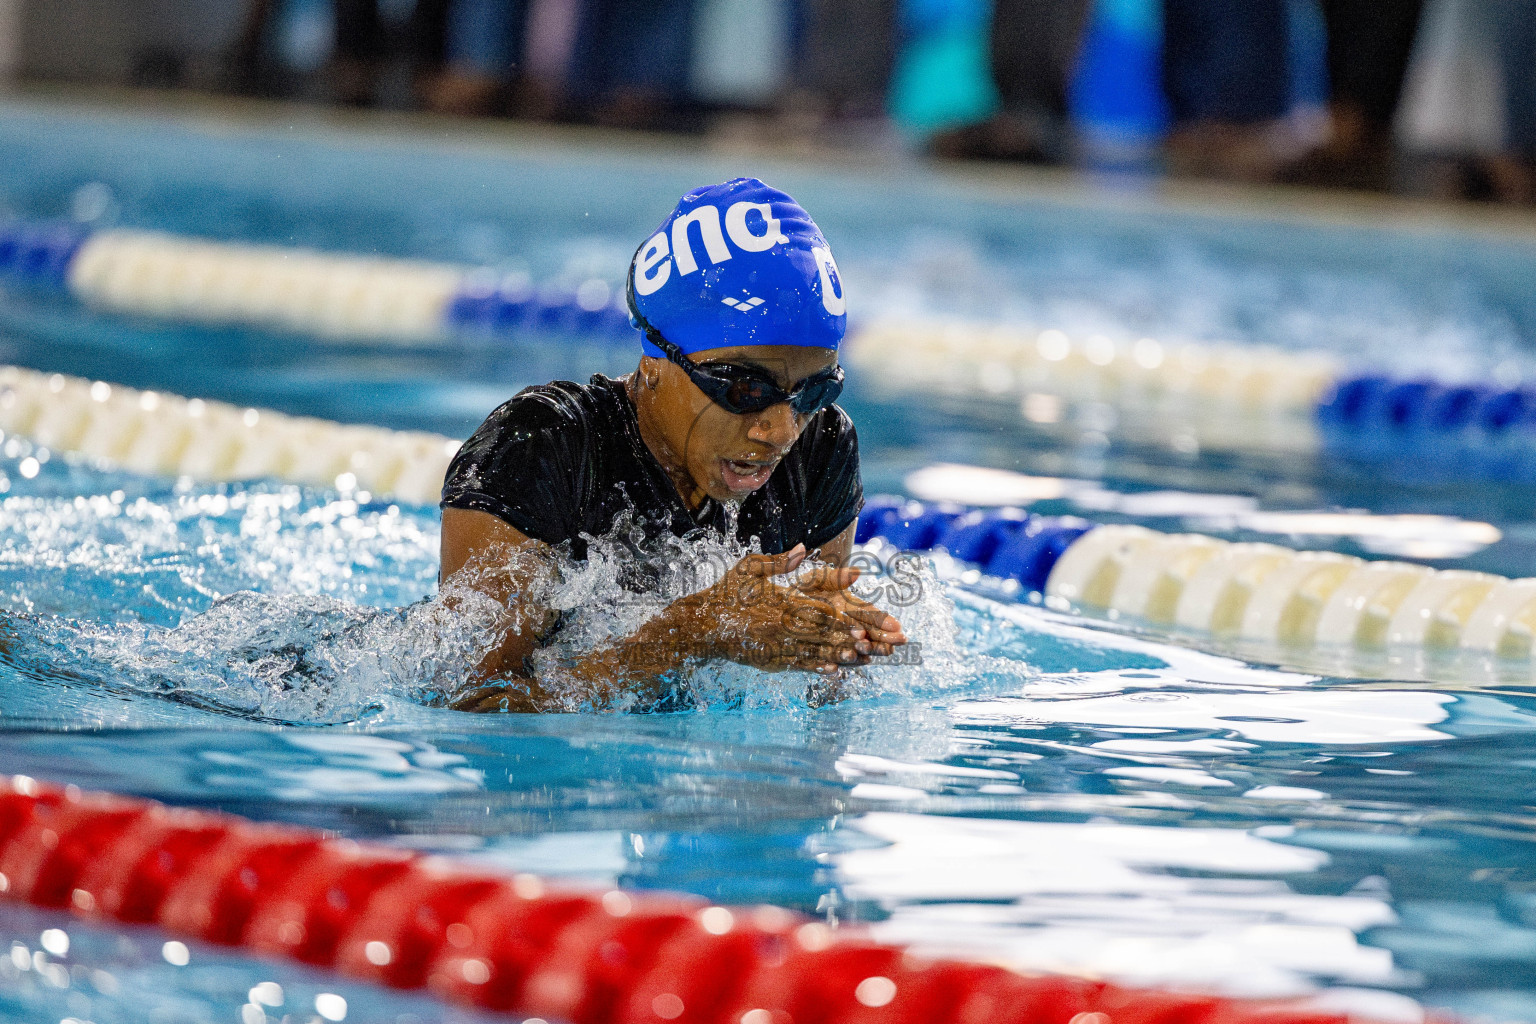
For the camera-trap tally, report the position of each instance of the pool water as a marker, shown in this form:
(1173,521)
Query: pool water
(1046,790)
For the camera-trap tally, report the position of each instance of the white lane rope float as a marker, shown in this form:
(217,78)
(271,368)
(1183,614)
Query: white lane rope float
(993,359)
(1218,397)
(1263,592)
(166,435)
(1229,591)
(159,275)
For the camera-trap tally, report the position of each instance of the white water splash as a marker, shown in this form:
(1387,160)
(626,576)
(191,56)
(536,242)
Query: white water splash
(627,580)
(293,658)
(316,658)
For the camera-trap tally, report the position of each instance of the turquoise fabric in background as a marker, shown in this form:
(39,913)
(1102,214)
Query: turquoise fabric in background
(1115,99)
(942,76)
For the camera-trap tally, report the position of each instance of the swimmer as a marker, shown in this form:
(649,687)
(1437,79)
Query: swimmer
(727,421)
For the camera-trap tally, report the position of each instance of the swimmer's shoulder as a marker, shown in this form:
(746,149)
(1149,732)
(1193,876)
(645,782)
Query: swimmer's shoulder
(542,439)
(829,433)
(558,403)
(559,407)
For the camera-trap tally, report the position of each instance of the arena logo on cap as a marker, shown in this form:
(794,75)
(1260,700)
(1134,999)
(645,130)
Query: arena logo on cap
(656,258)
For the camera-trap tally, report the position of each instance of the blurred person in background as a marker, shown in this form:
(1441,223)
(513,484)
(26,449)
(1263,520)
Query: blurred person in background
(847,52)
(1248,82)
(366,41)
(483,52)
(1512,172)
(1468,117)
(622,63)
(1226,73)
(358,51)
(284,47)
(630,62)
(249,67)
(1032,52)
(1369,44)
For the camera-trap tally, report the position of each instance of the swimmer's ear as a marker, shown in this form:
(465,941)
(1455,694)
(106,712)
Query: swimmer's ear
(650,372)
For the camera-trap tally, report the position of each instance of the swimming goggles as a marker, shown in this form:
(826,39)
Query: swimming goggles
(745,389)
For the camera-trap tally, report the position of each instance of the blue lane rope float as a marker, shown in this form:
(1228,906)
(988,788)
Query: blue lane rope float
(1238,397)
(1200,584)
(1007,544)
(39,254)
(337,296)
(486,303)
(1489,432)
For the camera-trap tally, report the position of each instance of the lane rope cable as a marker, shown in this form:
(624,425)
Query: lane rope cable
(1225,589)
(1248,591)
(1212,396)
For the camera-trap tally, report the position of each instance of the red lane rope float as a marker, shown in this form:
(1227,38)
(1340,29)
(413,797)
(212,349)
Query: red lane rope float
(516,944)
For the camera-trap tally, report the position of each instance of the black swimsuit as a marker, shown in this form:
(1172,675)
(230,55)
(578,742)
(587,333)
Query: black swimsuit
(563,460)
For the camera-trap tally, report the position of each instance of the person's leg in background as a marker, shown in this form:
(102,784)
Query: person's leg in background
(847,52)
(1034,50)
(426,43)
(742,64)
(1512,174)
(358,48)
(1226,73)
(1369,45)
(246,62)
(1033,53)
(630,63)
(483,46)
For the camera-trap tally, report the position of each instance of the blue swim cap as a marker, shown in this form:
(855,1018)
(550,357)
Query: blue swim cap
(739,263)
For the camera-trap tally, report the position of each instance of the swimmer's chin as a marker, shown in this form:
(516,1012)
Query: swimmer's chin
(737,481)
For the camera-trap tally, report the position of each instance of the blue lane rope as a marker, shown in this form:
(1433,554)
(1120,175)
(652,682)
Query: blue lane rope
(1005,543)
(39,254)
(511,308)
(1422,425)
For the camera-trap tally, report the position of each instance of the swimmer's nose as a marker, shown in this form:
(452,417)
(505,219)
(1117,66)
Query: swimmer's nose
(775,425)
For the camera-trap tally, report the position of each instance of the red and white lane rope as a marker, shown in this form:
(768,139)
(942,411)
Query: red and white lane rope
(518,944)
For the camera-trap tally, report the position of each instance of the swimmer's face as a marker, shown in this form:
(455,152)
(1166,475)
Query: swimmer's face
(729,455)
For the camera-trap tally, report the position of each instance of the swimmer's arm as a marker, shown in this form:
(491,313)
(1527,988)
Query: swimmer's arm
(837,550)
(484,553)
(879,639)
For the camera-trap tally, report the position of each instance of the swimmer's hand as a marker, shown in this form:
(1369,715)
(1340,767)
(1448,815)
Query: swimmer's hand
(810,622)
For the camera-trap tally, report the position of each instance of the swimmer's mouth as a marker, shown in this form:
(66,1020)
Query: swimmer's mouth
(743,475)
